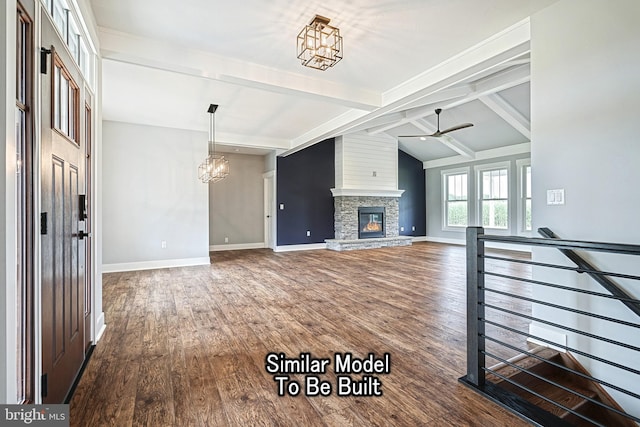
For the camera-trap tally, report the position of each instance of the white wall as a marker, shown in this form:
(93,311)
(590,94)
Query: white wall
(359,155)
(151,193)
(585,81)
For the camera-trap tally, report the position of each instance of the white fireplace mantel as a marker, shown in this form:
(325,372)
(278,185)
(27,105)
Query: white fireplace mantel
(360,192)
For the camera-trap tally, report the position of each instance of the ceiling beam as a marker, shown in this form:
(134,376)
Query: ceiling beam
(408,115)
(446,140)
(396,119)
(461,95)
(509,114)
(509,150)
(514,37)
(128,48)
(489,54)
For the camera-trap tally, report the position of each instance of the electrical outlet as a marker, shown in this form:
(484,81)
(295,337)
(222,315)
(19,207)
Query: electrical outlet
(401,228)
(308,233)
(374,174)
(413,228)
(163,244)
(281,206)
(226,240)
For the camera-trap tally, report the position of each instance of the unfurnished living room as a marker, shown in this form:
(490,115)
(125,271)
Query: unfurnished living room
(369,213)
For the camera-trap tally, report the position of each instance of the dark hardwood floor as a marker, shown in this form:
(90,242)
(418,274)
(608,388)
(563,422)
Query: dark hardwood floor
(187,346)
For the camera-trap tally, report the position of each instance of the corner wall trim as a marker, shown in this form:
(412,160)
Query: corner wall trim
(100,327)
(548,334)
(150,265)
(237,246)
(311,246)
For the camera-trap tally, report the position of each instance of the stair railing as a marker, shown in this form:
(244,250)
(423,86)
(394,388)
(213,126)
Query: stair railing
(585,267)
(501,295)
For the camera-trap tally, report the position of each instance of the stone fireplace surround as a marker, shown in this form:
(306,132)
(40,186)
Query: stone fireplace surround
(346,222)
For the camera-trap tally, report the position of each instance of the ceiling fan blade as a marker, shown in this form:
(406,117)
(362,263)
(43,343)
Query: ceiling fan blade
(451,129)
(417,136)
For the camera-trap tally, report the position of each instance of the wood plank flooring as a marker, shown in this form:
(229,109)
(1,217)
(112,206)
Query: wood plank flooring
(187,346)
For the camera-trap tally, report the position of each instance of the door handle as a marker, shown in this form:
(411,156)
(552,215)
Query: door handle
(81,235)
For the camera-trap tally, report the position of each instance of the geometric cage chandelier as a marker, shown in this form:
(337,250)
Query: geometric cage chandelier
(215,167)
(319,44)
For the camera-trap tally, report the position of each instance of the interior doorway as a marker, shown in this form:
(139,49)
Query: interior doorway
(269,211)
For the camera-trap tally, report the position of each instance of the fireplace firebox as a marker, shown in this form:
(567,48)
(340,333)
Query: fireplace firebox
(370,222)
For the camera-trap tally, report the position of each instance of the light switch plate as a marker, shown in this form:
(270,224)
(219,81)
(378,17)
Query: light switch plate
(555,197)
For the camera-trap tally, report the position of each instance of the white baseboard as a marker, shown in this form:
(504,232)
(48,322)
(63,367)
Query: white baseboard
(445,240)
(150,265)
(508,247)
(308,247)
(100,327)
(547,334)
(237,246)
(492,245)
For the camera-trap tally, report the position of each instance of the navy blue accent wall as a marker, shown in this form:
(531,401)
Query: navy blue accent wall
(304,182)
(413,208)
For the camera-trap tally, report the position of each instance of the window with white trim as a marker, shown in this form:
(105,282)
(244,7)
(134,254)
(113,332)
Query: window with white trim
(455,198)
(494,197)
(524,185)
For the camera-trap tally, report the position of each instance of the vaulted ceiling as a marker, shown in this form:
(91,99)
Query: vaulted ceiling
(164,62)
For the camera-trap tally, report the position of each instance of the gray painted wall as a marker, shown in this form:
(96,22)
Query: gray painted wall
(585,81)
(236,204)
(434,197)
(151,193)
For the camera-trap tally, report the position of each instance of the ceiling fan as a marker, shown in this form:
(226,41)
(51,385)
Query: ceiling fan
(439,132)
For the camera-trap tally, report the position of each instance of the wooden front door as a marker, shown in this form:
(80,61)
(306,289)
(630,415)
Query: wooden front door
(62,229)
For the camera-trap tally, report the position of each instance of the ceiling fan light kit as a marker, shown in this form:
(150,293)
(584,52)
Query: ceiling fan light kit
(438,132)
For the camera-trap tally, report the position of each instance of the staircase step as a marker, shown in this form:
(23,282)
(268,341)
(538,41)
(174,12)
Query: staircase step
(550,391)
(523,361)
(554,393)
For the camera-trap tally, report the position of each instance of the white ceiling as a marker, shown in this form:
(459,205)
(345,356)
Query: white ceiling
(164,62)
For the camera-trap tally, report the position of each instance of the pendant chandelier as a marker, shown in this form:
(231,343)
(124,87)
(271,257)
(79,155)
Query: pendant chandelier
(319,44)
(215,167)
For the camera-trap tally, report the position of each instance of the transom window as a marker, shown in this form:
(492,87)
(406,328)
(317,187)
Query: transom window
(69,24)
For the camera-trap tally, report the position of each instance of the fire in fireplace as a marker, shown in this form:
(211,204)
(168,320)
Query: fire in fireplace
(370,222)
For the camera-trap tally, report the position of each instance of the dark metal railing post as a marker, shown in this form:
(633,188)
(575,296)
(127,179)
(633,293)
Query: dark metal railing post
(475,307)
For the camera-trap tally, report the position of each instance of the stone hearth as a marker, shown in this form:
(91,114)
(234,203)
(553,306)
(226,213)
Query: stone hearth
(346,223)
